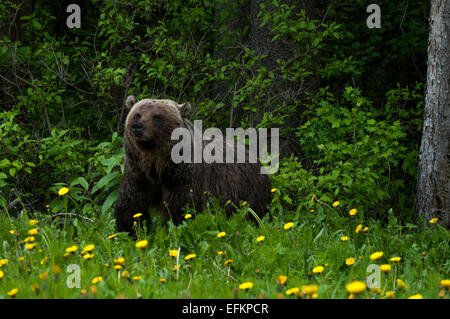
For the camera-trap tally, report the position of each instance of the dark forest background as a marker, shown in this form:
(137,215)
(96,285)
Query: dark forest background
(348,99)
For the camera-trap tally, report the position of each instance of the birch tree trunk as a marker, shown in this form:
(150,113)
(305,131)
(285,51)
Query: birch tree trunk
(433,184)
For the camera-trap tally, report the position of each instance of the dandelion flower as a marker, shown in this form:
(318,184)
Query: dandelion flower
(125,274)
(190,256)
(33,231)
(401,284)
(309,289)
(89,248)
(395,259)
(136,278)
(353,211)
(246,285)
(389,294)
(13,292)
(336,204)
(33,222)
(112,236)
(260,239)
(365,229)
(162,280)
(119,261)
(433,220)
(63,191)
(318,269)
(355,287)
(288,225)
(3,262)
(312,198)
(137,215)
(350,261)
(43,275)
(117,267)
(221,234)
(445,283)
(142,244)
(175,268)
(417,296)
(71,249)
(222,252)
(173,252)
(88,256)
(228,262)
(244,204)
(281,279)
(2,274)
(291,291)
(228,202)
(358,228)
(96,280)
(345,238)
(273,190)
(187,216)
(311,210)
(30,246)
(376,290)
(29,239)
(385,268)
(376,255)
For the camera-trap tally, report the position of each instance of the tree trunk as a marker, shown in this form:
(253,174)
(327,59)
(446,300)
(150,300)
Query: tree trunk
(433,185)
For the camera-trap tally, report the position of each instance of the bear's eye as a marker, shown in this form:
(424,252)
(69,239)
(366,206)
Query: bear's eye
(157,118)
(137,117)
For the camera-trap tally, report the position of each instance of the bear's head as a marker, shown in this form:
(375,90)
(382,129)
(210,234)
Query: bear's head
(150,122)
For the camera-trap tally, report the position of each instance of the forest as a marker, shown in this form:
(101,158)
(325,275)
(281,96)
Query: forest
(359,93)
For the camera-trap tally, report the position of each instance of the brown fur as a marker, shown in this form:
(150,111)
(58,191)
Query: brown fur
(151,177)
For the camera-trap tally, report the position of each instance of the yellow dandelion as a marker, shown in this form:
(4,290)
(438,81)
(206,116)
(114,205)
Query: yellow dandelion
(375,290)
(190,256)
(358,228)
(365,229)
(350,261)
(3,262)
(119,261)
(246,285)
(260,238)
(389,294)
(445,283)
(71,249)
(221,234)
(376,255)
(314,295)
(43,261)
(401,284)
(137,215)
(244,203)
(30,246)
(281,279)
(312,198)
(63,191)
(88,256)
(385,268)
(433,220)
(89,248)
(176,267)
(21,258)
(318,269)
(336,204)
(222,252)
(56,269)
(33,231)
(228,202)
(309,289)
(311,210)
(288,225)
(345,238)
(125,274)
(33,222)
(355,287)
(2,274)
(117,267)
(417,296)
(112,236)
(12,232)
(273,190)
(395,259)
(96,280)
(228,262)
(291,291)
(93,289)
(187,216)
(136,278)
(142,244)
(353,211)
(13,292)
(43,275)
(29,239)
(173,252)
(162,280)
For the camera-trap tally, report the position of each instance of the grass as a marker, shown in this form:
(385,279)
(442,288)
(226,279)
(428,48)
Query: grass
(315,240)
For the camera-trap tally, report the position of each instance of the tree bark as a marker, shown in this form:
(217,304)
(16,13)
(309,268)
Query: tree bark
(433,184)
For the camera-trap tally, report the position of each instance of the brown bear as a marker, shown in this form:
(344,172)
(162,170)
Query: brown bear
(152,179)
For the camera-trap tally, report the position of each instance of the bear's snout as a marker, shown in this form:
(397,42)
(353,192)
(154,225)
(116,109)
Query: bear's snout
(137,128)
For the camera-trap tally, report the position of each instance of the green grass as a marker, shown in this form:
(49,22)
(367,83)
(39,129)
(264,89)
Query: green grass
(314,240)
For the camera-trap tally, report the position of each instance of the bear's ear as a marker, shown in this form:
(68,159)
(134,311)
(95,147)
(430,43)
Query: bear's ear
(185,109)
(130,101)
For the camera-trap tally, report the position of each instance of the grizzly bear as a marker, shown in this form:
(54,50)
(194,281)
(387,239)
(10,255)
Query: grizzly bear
(152,179)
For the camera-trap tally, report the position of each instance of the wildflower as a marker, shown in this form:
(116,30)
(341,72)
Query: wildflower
(311,210)
(43,261)
(355,287)
(222,252)
(358,228)
(93,289)
(173,252)
(21,258)
(260,239)
(288,225)
(228,202)
(63,191)
(30,246)
(96,280)
(389,294)
(43,275)
(314,295)
(365,229)
(417,296)
(125,274)
(34,287)
(353,211)
(291,291)
(29,239)
(345,238)
(228,262)
(2,274)
(281,279)
(221,234)
(33,222)
(89,248)
(336,204)
(187,216)
(13,292)
(190,256)
(3,262)
(433,220)
(12,232)
(88,256)
(385,268)
(318,269)
(119,261)
(309,289)
(117,267)
(137,215)
(445,283)
(376,255)
(136,278)
(350,261)
(244,203)
(71,249)
(395,259)
(56,269)
(162,280)
(246,285)
(112,236)
(176,267)
(401,284)
(375,290)
(33,231)
(273,190)
(142,243)
(312,198)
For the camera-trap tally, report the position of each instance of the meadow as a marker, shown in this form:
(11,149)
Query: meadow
(314,252)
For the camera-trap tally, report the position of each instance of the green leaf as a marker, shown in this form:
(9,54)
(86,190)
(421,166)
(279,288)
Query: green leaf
(110,200)
(80,181)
